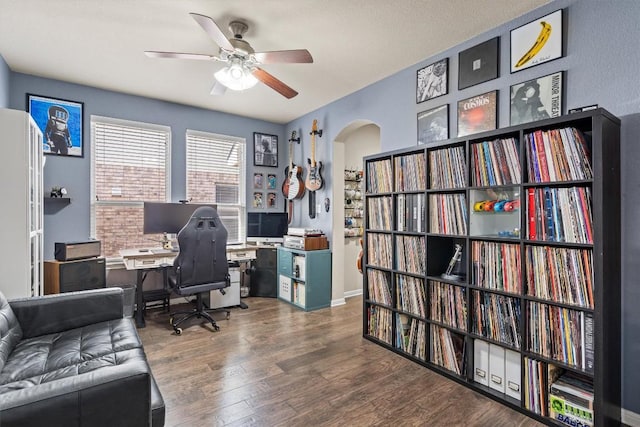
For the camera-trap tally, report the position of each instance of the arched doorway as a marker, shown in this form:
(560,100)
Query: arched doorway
(358,139)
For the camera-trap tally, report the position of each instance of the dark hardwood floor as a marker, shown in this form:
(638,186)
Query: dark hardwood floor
(273,364)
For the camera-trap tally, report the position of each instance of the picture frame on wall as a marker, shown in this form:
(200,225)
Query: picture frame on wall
(479,63)
(258,180)
(272,181)
(536,99)
(432,81)
(478,113)
(433,125)
(258,200)
(265,150)
(537,42)
(272,200)
(61,122)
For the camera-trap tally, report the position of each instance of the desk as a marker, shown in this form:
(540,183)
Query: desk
(144,260)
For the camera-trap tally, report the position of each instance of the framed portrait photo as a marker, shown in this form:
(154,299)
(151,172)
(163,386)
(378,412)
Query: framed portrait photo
(61,123)
(272,200)
(478,113)
(478,64)
(265,150)
(432,81)
(272,181)
(536,99)
(537,42)
(433,125)
(258,180)
(258,200)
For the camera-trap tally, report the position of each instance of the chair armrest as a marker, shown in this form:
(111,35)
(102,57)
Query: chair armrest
(113,396)
(60,312)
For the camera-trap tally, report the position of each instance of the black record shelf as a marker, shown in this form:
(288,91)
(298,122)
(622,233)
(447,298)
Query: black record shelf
(552,260)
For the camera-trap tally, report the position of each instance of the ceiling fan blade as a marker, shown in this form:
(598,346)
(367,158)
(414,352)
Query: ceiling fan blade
(213,30)
(297,56)
(274,83)
(178,55)
(218,89)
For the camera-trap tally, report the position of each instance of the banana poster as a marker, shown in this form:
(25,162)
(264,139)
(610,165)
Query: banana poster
(537,42)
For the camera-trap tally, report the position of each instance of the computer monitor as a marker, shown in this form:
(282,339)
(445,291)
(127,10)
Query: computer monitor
(168,217)
(266,227)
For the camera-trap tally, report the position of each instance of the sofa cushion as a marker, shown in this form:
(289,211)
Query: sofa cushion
(73,352)
(10,331)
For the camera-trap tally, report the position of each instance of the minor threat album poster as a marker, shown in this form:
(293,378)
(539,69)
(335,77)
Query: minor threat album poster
(536,99)
(478,113)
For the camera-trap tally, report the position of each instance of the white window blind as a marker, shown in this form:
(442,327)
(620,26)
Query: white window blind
(216,174)
(130,164)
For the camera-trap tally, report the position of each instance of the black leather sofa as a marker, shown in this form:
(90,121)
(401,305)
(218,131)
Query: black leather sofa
(72,360)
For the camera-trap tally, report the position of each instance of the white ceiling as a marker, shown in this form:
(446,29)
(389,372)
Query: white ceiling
(354,43)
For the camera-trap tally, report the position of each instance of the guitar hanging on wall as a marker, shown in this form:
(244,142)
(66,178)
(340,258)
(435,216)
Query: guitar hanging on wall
(314,179)
(292,187)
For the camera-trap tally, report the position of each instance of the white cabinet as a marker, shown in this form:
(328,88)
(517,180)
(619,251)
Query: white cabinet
(21,225)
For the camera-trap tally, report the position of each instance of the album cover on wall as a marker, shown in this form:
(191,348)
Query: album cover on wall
(478,113)
(433,125)
(537,42)
(432,81)
(537,99)
(478,64)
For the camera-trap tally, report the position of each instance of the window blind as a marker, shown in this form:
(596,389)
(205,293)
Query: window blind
(130,164)
(216,174)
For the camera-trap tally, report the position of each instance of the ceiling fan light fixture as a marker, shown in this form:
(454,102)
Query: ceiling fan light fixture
(236,76)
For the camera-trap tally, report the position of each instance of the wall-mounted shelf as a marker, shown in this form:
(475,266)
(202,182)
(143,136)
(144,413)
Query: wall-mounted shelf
(353,205)
(54,204)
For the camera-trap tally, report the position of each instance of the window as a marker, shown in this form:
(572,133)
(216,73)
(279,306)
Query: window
(130,164)
(216,174)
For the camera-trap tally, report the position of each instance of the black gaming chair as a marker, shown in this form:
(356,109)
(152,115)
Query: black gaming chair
(201,266)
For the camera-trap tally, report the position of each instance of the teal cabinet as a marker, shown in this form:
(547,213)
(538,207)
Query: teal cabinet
(304,278)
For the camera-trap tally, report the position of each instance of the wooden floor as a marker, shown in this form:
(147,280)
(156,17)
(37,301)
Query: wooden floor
(275,365)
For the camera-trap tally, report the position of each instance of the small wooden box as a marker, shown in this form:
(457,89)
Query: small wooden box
(306,243)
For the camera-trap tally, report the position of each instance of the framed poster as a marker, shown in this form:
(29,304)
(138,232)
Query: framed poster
(537,42)
(433,125)
(536,99)
(432,81)
(258,200)
(272,181)
(60,121)
(272,199)
(265,150)
(478,113)
(478,64)
(258,180)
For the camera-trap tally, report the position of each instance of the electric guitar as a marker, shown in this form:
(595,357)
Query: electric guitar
(314,178)
(292,187)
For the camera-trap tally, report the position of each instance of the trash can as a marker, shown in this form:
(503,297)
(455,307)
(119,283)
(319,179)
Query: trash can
(129,297)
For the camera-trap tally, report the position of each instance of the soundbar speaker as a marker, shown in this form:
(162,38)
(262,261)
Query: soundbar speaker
(70,276)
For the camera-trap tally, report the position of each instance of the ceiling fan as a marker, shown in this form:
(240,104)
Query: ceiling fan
(242,70)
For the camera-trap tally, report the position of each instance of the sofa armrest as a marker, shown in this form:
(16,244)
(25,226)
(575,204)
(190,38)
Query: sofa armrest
(115,396)
(60,312)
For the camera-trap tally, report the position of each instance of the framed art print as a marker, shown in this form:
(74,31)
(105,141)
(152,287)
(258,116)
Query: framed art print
(272,181)
(536,99)
(258,201)
(433,125)
(272,199)
(265,150)
(258,180)
(432,81)
(478,113)
(478,64)
(537,42)
(61,124)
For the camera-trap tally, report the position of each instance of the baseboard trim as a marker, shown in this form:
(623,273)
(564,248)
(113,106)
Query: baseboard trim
(337,302)
(630,418)
(355,293)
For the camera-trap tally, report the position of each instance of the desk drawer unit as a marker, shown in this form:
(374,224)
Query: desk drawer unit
(150,262)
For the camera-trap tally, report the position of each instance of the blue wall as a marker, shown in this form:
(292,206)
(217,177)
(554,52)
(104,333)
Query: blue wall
(601,65)
(4,83)
(73,222)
